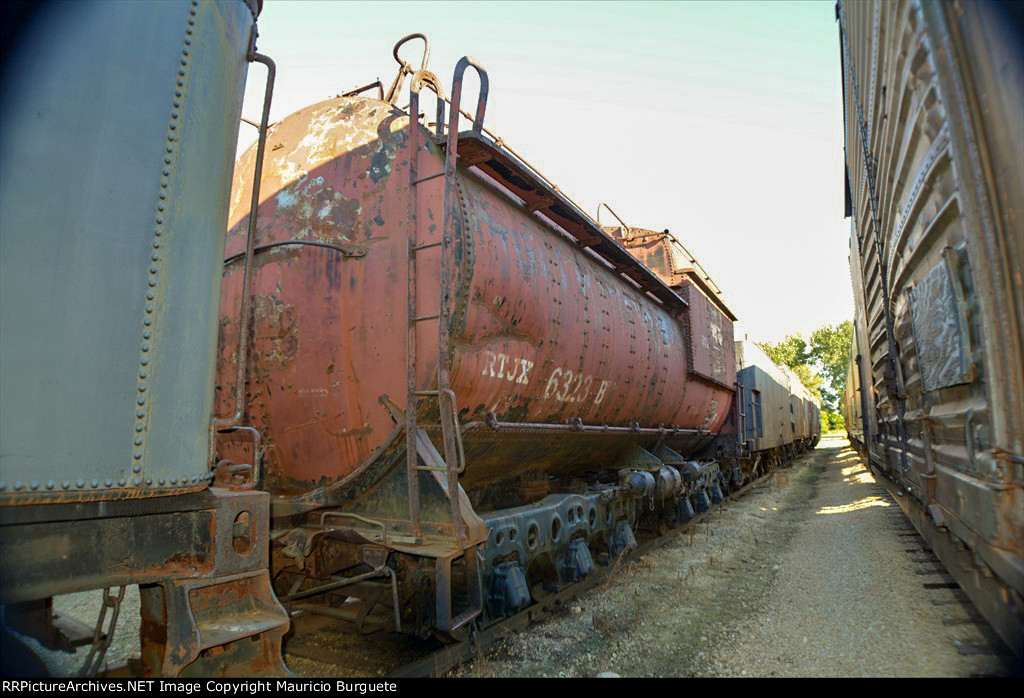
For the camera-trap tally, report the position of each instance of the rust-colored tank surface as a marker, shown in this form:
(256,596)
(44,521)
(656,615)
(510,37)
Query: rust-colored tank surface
(542,330)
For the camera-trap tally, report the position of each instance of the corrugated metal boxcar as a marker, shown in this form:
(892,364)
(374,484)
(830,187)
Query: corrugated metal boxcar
(934,94)
(765,389)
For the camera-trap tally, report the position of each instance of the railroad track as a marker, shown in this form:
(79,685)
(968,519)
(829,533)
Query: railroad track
(937,577)
(440,661)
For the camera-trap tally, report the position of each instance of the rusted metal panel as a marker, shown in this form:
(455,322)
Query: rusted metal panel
(542,331)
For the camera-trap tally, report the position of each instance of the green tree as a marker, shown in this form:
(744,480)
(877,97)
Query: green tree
(830,350)
(791,351)
(820,364)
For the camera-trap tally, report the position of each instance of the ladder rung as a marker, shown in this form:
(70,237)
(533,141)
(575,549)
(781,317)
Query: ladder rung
(435,470)
(428,177)
(422,318)
(425,393)
(425,246)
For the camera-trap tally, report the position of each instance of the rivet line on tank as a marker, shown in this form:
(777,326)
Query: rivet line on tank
(154,270)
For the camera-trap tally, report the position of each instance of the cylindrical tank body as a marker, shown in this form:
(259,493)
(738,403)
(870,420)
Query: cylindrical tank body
(108,279)
(542,331)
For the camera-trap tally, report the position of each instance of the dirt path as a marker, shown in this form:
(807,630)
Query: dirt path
(807,576)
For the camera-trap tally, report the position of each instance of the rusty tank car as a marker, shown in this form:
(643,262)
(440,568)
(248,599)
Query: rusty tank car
(469,391)
(933,97)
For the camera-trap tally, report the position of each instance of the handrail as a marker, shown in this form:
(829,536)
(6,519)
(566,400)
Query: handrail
(403,67)
(449,426)
(419,79)
(219,424)
(625,228)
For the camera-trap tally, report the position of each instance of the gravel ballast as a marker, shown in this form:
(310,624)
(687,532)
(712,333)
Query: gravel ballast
(808,575)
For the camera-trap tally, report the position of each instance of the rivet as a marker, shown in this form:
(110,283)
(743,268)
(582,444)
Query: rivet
(156,244)
(80,483)
(137,481)
(160,481)
(34,485)
(137,469)
(122,482)
(109,483)
(140,426)
(137,455)
(153,269)
(189,32)
(144,361)
(152,283)
(177,93)
(181,73)
(148,321)
(173,126)
(138,440)
(66,484)
(191,23)
(174,115)
(149,481)
(174,481)
(95,483)
(170,136)
(140,414)
(184,51)
(50,484)
(142,388)
(167,161)
(141,400)
(145,347)
(180,83)
(142,375)
(147,334)
(159,221)
(18,485)
(150,296)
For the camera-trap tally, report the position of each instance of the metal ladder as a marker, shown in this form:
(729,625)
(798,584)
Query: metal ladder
(417,443)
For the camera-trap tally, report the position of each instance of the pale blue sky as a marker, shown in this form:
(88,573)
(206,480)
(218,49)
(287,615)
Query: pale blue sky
(721,121)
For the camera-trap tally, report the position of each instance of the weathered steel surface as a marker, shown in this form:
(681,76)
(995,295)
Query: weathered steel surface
(116,161)
(542,331)
(933,96)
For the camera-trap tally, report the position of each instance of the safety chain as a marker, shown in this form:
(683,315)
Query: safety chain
(101,641)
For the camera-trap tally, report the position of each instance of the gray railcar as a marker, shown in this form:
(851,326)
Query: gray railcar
(120,121)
